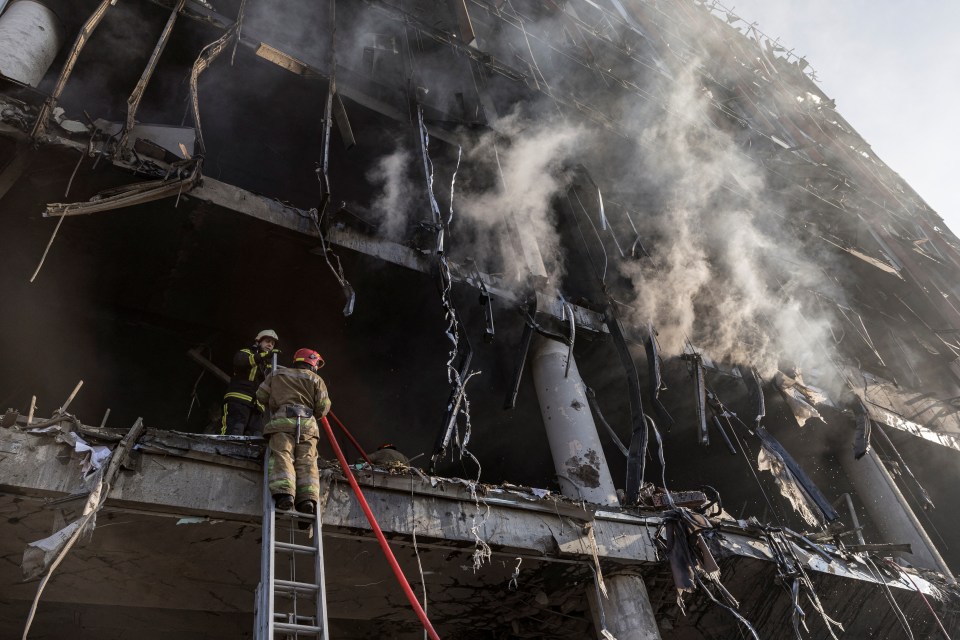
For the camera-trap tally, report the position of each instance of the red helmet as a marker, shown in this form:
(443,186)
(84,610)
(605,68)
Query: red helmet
(309,356)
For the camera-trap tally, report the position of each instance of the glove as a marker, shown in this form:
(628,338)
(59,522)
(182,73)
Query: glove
(266,355)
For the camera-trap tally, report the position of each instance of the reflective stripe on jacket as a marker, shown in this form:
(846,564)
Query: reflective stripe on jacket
(249,370)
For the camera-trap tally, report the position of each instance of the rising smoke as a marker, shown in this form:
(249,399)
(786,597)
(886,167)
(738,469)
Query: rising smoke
(724,273)
(720,276)
(397,192)
(528,161)
(522,167)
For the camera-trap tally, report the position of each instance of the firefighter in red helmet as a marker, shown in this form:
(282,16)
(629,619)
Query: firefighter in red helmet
(241,411)
(296,398)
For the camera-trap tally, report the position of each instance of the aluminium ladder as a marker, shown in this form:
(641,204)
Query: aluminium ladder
(303,600)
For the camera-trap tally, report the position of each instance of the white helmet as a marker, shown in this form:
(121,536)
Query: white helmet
(267,333)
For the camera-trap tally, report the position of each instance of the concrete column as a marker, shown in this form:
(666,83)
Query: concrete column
(890,511)
(626,609)
(583,473)
(30,37)
(577,454)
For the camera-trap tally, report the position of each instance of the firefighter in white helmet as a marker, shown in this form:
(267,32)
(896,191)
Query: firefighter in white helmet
(241,411)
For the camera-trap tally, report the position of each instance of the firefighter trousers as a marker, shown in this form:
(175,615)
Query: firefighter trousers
(292,469)
(236,415)
(240,419)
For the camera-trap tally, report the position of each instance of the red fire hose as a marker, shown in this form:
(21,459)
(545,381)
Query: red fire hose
(397,571)
(351,438)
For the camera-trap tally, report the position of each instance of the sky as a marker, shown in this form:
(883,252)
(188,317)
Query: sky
(893,68)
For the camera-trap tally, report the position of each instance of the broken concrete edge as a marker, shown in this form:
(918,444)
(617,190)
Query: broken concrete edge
(449,511)
(225,450)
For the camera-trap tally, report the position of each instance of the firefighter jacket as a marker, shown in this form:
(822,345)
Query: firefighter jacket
(250,367)
(293,395)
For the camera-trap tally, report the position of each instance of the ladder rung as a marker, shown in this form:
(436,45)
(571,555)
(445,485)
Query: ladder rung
(290,585)
(297,628)
(295,515)
(287,617)
(295,548)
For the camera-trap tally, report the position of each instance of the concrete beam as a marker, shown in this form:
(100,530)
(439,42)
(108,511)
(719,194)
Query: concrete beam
(270,210)
(38,466)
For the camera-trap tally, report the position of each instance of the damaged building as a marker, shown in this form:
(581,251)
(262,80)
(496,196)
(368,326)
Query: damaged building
(673,353)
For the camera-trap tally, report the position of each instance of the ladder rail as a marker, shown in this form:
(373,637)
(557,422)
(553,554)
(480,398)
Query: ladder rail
(267,588)
(291,561)
(319,570)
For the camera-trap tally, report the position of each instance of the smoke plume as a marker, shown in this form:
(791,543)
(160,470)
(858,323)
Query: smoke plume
(721,276)
(391,177)
(527,159)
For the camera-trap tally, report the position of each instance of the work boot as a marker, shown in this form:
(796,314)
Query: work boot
(283,501)
(306,506)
